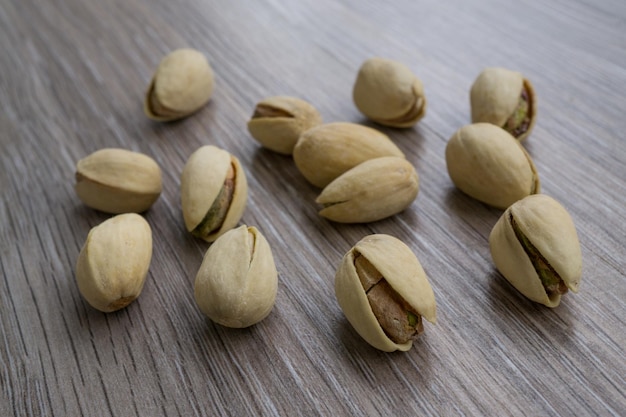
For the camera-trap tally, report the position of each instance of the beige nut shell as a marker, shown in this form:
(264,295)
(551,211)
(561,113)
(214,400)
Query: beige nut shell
(487,163)
(371,191)
(114,261)
(388,92)
(325,152)
(280,132)
(117,181)
(549,227)
(402,270)
(182,84)
(237,282)
(495,94)
(201,181)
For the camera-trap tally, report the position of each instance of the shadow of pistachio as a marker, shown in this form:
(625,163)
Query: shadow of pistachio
(277,171)
(370,360)
(511,309)
(481,216)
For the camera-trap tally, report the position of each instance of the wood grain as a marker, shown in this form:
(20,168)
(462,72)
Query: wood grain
(72,79)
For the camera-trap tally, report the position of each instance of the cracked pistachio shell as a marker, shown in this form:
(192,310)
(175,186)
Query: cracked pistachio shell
(182,84)
(488,164)
(325,152)
(371,191)
(495,97)
(403,272)
(118,181)
(237,282)
(278,122)
(214,191)
(114,261)
(534,244)
(389,93)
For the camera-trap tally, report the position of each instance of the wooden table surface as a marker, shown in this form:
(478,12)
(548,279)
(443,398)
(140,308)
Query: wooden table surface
(72,78)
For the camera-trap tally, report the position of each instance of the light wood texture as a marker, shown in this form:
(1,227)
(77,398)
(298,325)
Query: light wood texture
(72,78)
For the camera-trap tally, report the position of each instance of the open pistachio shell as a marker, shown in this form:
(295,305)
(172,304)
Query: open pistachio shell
(214,191)
(182,84)
(506,99)
(388,92)
(488,164)
(535,247)
(278,122)
(325,152)
(402,271)
(237,282)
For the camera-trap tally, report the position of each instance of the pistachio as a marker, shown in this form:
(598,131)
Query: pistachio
(384,292)
(278,122)
(371,191)
(118,181)
(488,164)
(114,261)
(535,247)
(182,84)
(214,191)
(506,99)
(237,282)
(325,152)
(389,93)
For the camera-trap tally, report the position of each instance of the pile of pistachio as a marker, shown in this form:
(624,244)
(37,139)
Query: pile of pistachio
(380,284)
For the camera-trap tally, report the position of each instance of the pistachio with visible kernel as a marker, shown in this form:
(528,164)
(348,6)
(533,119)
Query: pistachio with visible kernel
(237,282)
(214,191)
(118,181)
(535,246)
(278,122)
(371,191)
(325,152)
(505,98)
(384,292)
(182,84)
(114,261)
(388,92)
(487,163)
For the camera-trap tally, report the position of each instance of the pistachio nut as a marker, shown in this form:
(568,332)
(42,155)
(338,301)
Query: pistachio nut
(506,99)
(278,122)
(325,152)
(384,292)
(118,181)
(535,247)
(114,261)
(373,190)
(237,282)
(389,93)
(214,191)
(488,164)
(181,85)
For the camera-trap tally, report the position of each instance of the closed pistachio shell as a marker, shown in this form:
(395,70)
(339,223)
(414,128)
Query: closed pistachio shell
(118,181)
(114,261)
(278,122)
(325,152)
(388,92)
(504,98)
(182,84)
(408,294)
(237,282)
(371,191)
(214,191)
(535,247)
(488,164)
